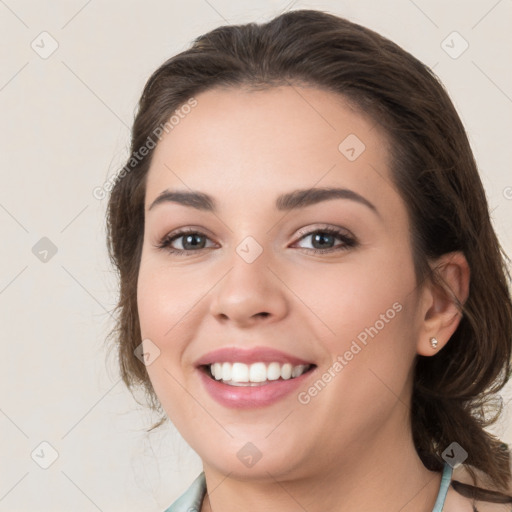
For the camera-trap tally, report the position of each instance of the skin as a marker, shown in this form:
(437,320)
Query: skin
(350,448)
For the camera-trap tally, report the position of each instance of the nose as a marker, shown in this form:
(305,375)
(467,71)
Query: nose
(250,293)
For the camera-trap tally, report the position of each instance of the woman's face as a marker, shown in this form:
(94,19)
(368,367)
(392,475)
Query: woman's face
(246,295)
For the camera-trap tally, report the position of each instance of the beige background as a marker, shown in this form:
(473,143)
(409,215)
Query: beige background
(64,128)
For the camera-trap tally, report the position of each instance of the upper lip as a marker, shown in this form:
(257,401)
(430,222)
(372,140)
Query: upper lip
(249,356)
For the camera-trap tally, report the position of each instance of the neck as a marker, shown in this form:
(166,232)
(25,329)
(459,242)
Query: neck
(384,475)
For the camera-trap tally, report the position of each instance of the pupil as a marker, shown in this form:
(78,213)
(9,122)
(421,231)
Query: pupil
(189,240)
(322,237)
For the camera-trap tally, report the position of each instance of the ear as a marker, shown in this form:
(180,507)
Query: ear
(440,315)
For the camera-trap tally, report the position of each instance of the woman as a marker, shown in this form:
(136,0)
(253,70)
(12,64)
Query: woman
(311,287)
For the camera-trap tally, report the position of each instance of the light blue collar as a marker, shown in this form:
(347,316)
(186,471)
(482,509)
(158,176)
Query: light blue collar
(192,499)
(443,490)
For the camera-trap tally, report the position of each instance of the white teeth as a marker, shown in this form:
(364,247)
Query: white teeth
(217,371)
(273,371)
(243,374)
(239,372)
(286,371)
(258,372)
(226,371)
(297,371)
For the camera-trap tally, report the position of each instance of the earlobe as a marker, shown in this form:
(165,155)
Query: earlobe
(444,295)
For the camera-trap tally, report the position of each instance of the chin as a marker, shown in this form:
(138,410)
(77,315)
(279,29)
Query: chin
(258,460)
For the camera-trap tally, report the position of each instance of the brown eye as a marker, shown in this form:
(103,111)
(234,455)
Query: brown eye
(324,240)
(189,240)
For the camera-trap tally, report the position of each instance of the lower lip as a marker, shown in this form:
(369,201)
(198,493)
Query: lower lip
(246,397)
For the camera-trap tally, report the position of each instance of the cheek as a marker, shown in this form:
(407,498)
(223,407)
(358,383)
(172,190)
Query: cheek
(369,311)
(348,299)
(166,308)
(171,304)
(154,306)
(167,299)
(159,314)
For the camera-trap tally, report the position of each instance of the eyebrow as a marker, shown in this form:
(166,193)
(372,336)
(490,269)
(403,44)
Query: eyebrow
(285,202)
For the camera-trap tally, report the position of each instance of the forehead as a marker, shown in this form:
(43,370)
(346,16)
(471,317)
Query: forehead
(254,141)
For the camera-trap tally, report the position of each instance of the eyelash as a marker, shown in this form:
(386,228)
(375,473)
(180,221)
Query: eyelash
(348,241)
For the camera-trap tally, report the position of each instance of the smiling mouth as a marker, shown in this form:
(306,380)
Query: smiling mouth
(255,374)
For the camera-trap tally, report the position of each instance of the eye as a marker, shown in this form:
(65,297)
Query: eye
(324,238)
(190,240)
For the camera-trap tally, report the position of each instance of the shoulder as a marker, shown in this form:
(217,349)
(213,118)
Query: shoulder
(461,502)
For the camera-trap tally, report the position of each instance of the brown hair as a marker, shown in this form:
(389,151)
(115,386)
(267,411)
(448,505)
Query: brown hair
(433,169)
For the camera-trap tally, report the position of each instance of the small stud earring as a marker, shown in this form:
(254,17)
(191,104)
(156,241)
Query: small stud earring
(434,342)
